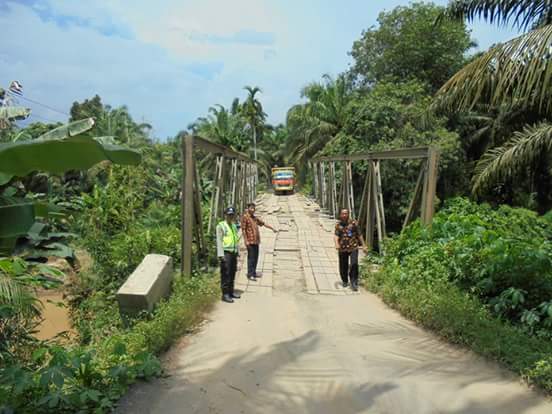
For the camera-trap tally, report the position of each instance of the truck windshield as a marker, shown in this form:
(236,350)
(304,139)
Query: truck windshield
(283,174)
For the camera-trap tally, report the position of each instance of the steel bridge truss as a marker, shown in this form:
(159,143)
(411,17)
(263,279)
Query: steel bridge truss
(371,213)
(233,184)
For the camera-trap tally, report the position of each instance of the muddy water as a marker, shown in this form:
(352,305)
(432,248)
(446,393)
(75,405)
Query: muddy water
(56,318)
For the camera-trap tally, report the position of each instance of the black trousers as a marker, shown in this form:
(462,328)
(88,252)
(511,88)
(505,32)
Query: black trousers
(228,269)
(347,271)
(252,259)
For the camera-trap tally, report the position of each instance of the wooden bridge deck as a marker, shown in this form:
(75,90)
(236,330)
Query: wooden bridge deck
(301,256)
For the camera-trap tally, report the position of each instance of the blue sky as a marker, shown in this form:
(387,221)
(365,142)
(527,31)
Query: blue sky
(170,60)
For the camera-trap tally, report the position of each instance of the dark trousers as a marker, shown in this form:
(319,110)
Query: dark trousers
(228,272)
(252,259)
(347,271)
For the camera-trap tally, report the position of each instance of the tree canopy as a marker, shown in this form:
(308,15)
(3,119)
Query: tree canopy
(409,43)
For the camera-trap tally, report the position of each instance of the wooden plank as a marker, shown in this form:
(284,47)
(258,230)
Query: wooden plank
(415,201)
(187,204)
(333,190)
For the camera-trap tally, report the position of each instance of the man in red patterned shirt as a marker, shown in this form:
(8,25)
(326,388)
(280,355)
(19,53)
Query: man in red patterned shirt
(252,237)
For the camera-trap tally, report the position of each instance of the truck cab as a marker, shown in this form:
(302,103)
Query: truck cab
(283,180)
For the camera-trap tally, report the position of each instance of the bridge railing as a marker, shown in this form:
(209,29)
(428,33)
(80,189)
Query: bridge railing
(332,196)
(233,184)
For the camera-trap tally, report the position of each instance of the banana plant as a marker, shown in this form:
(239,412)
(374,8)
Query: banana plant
(59,150)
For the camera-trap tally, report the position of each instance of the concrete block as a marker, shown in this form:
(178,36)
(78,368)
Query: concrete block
(149,282)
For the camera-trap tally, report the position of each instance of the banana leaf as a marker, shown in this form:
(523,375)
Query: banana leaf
(69,130)
(61,155)
(14,112)
(15,221)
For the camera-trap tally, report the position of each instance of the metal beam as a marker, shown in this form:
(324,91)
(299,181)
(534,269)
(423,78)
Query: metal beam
(187,204)
(214,148)
(405,153)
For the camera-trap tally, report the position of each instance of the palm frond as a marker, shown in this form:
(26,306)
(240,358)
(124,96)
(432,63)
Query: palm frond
(521,13)
(15,295)
(518,72)
(507,161)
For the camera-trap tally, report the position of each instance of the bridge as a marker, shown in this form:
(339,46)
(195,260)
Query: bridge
(297,342)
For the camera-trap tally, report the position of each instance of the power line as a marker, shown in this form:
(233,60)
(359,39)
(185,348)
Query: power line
(44,119)
(14,95)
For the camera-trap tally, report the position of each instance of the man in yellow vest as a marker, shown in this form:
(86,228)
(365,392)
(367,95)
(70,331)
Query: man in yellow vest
(227,252)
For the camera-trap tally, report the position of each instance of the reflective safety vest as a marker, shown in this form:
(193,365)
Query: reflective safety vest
(230,239)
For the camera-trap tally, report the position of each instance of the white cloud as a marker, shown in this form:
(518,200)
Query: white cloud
(182,56)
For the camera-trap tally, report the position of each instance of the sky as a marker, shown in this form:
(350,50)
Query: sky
(170,60)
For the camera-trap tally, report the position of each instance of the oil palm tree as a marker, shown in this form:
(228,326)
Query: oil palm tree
(514,73)
(253,111)
(314,124)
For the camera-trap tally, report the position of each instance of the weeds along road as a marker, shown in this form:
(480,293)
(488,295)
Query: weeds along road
(298,343)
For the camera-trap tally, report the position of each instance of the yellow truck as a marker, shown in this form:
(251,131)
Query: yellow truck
(283,180)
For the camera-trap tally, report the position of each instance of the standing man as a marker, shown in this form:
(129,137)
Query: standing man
(347,241)
(252,237)
(227,252)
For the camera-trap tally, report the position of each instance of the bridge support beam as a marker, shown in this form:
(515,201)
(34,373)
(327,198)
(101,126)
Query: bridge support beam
(371,214)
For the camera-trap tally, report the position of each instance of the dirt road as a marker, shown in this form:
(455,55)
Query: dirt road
(299,343)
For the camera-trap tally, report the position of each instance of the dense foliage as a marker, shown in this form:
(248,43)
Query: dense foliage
(408,44)
(480,276)
(116,215)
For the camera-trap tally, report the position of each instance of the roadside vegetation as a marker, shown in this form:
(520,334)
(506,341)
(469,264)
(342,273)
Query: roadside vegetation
(480,277)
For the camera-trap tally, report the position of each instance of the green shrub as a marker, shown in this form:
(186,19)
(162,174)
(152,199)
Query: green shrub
(93,378)
(480,277)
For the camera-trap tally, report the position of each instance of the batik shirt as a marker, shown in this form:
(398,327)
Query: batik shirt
(250,228)
(348,235)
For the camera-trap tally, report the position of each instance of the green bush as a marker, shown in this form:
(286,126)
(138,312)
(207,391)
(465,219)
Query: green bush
(92,378)
(116,259)
(479,277)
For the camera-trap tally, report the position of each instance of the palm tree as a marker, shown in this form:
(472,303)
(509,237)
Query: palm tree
(515,73)
(253,112)
(223,126)
(314,124)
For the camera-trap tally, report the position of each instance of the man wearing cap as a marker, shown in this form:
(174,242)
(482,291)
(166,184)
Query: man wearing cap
(227,252)
(250,228)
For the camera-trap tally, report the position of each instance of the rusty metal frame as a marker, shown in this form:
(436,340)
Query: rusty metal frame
(371,212)
(236,186)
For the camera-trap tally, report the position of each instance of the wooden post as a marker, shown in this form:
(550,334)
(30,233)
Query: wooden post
(333,189)
(376,187)
(415,201)
(187,204)
(198,214)
(215,195)
(370,207)
(233,183)
(430,186)
(363,205)
(322,186)
(379,199)
(350,190)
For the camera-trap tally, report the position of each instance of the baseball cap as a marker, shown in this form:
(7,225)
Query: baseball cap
(230,211)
